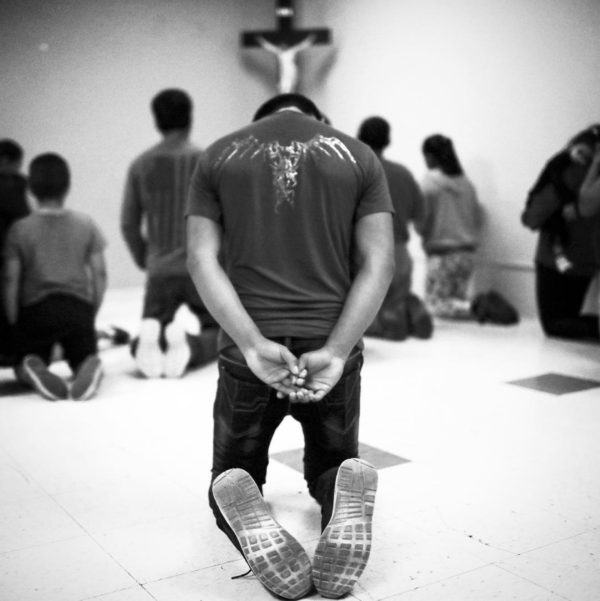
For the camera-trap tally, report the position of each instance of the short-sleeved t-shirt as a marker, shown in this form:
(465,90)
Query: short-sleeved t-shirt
(407,199)
(288,191)
(155,201)
(54,248)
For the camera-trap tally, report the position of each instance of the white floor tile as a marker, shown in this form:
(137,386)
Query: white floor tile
(570,568)
(70,570)
(16,484)
(486,583)
(214,584)
(495,528)
(34,522)
(130,594)
(403,558)
(168,547)
(128,503)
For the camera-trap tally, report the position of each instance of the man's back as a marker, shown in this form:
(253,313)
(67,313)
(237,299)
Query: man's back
(156,192)
(287,191)
(406,198)
(55,248)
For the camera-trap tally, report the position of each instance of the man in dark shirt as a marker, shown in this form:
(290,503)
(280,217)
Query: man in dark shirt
(303,214)
(402,312)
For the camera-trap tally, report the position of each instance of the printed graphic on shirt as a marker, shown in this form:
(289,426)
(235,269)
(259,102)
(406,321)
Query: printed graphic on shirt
(285,161)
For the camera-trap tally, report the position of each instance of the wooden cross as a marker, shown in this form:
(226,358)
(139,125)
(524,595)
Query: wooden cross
(286,42)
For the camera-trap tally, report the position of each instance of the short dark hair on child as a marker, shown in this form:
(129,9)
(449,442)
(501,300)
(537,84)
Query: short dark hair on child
(10,150)
(49,176)
(287,100)
(375,132)
(172,109)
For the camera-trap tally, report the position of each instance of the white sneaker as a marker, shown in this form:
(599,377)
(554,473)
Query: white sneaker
(149,357)
(178,352)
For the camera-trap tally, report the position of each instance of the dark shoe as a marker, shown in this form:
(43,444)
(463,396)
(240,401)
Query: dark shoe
(87,379)
(394,324)
(36,373)
(420,322)
(275,556)
(345,545)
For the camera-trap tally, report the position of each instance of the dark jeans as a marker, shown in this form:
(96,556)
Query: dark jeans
(166,293)
(59,318)
(559,299)
(247,412)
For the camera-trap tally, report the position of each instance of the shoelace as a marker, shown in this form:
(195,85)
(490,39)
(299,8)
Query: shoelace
(241,575)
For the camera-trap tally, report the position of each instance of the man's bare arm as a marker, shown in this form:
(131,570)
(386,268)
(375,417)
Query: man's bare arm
(374,245)
(99,279)
(273,363)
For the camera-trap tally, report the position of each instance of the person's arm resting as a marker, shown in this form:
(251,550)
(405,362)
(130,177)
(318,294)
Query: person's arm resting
(99,279)
(131,222)
(273,363)
(374,246)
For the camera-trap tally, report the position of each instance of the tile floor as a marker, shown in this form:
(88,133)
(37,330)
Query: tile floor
(498,496)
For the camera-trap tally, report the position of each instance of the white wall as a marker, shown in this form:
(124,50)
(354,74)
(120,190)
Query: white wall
(509,80)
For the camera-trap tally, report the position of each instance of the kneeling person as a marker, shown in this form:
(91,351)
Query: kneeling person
(54,283)
(304,215)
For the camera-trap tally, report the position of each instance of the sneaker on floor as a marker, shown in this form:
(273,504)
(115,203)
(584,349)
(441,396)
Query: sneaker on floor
(149,356)
(36,373)
(87,379)
(344,547)
(178,354)
(275,556)
(420,322)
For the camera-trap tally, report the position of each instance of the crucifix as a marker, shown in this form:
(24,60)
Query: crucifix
(286,43)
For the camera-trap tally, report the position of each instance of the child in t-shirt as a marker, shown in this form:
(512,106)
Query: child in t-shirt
(13,206)
(54,283)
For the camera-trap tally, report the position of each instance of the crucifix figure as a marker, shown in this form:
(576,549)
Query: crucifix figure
(286,43)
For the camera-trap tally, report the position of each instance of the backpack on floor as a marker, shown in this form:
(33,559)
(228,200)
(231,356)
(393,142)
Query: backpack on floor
(492,307)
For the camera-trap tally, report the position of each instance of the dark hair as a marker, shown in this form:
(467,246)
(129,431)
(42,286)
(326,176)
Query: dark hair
(590,136)
(442,150)
(172,109)
(49,176)
(10,150)
(286,100)
(375,132)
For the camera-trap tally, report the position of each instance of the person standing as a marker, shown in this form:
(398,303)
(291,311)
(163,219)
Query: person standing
(402,312)
(153,226)
(303,215)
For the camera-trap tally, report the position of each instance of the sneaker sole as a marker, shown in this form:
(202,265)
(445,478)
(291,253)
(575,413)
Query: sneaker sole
(87,381)
(345,545)
(149,357)
(49,385)
(275,556)
(178,353)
